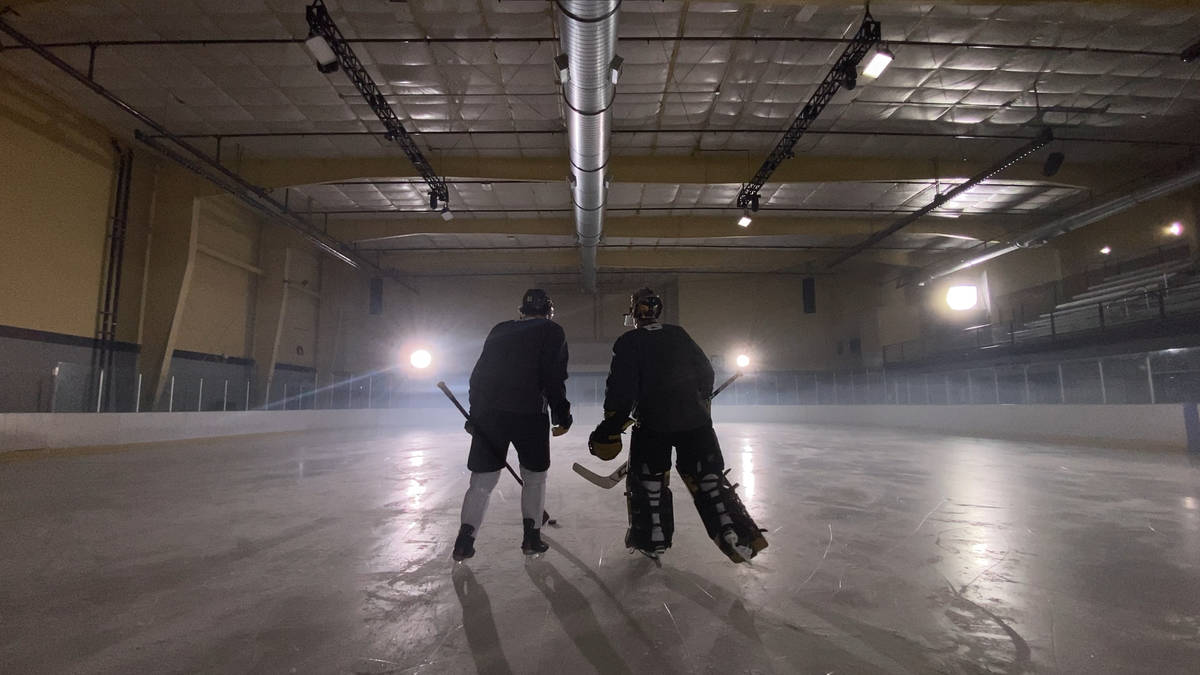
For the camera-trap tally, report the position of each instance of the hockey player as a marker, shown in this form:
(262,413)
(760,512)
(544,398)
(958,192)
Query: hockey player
(521,372)
(659,372)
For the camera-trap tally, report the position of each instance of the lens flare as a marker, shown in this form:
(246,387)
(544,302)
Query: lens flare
(420,359)
(962,298)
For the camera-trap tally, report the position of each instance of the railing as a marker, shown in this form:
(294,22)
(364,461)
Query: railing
(1165,376)
(1142,307)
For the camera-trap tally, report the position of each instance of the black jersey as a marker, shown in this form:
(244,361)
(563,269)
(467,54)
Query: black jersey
(523,369)
(659,370)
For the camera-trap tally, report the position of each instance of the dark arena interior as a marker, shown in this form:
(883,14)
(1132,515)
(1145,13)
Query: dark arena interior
(820,337)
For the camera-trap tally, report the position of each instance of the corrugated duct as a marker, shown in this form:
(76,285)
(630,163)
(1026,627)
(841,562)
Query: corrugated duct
(589,41)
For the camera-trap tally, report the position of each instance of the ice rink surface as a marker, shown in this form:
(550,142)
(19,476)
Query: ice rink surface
(890,552)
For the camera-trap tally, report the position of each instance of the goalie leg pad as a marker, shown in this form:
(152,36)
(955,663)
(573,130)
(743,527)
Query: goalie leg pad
(651,514)
(725,517)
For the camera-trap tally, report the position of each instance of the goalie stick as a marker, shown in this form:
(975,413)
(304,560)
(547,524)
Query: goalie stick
(610,481)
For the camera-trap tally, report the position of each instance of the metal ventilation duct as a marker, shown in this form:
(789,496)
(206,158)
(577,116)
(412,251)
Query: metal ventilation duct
(1060,226)
(589,72)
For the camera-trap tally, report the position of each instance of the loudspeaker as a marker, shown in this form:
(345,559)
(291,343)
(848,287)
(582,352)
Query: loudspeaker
(810,295)
(1053,163)
(375,304)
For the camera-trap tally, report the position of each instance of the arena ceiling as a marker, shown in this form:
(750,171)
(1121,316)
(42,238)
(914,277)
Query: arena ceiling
(706,90)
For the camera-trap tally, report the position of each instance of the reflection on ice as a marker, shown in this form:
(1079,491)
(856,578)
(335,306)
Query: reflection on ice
(747,478)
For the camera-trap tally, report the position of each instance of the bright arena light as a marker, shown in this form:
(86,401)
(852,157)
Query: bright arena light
(1106,250)
(962,298)
(879,62)
(1175,229)
(420,359)
(742,361)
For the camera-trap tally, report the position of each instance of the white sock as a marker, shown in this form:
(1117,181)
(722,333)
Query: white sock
(475,502)
(533,496)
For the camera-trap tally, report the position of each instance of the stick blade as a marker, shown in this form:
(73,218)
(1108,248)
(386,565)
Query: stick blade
(606,482)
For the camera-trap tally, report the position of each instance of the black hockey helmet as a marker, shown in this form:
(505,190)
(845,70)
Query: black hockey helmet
(536,302)
(644,305)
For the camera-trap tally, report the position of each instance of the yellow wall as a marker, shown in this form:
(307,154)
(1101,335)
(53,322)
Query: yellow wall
(764,316)
(56,182)
(297,340)
(1132,232)
(219,303)
(759,314)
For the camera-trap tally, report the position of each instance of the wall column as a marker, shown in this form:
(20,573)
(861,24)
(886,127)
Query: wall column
(170,259)
(270,310)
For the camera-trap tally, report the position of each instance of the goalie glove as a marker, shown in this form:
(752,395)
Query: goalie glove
(605,441)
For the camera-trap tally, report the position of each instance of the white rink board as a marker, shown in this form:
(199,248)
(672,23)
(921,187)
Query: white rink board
(1126,425)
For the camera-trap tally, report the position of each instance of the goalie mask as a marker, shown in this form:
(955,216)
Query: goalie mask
(536,302)
(644,306)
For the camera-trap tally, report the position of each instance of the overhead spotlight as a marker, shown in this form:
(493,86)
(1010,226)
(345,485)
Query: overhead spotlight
(1191,53)
(421,359)
(962,298)
(880,59)
(745,220)
(1053,163)
(1175,229)
(742,360)
(1106,250)
(564,73)
(447,214)
(614,68)
(320,51)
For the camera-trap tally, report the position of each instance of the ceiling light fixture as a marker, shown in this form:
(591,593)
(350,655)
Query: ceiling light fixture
(447,214)
(1191,53)
(320,51)
(745,220)
(1175,229)
(614,68)
(564,72)
(1106,250)
(880,59)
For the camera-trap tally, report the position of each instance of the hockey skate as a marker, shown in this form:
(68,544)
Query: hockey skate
(532,545)
(464,544)
(654,554)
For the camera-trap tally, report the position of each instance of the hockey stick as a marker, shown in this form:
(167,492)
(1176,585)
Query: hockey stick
(610,481)
(546,519)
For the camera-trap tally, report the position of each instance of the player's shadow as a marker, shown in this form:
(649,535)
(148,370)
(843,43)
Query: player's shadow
(726,607)
(633,571)
(574,612)
(479,624)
